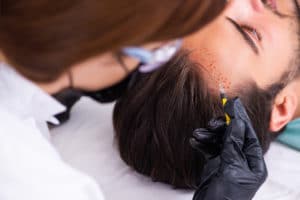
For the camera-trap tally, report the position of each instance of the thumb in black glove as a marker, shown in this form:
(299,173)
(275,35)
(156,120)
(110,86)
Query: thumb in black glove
(209,141)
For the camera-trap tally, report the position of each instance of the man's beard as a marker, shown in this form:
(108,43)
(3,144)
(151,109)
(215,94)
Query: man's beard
(155,118)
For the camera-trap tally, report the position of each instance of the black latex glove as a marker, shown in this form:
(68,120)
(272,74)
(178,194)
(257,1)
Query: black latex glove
(240,169)
(209,142)
(68,98)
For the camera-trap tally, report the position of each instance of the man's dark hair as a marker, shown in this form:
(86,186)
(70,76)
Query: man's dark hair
(154,120)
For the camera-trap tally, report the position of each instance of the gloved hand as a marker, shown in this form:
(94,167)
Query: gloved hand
(209,142)
(240,169)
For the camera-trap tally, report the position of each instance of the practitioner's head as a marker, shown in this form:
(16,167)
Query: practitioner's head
(154,120)
(44,39)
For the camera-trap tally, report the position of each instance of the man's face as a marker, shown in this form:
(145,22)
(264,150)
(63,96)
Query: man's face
(251,40)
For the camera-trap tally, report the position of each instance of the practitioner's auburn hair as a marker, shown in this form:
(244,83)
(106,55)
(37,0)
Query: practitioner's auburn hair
(155,118)
(43,38)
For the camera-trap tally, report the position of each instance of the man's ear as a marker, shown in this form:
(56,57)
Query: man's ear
(284,108)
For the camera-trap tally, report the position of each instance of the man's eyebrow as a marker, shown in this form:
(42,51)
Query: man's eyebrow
(246,37)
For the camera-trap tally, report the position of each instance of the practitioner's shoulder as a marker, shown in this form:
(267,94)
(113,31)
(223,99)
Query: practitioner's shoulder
(28,155)
(13,126)
(7,119)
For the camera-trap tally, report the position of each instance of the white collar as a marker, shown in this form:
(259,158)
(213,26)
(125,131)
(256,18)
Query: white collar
(26,100)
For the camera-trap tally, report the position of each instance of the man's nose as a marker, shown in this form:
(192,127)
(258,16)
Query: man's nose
(257,5)
(244,9)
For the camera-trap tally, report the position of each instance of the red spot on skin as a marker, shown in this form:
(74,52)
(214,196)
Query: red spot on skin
(217,77)
(206,58)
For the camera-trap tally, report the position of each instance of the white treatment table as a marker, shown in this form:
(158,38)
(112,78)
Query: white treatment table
(87,143)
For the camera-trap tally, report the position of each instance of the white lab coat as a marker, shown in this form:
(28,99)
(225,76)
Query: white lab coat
(30,167)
